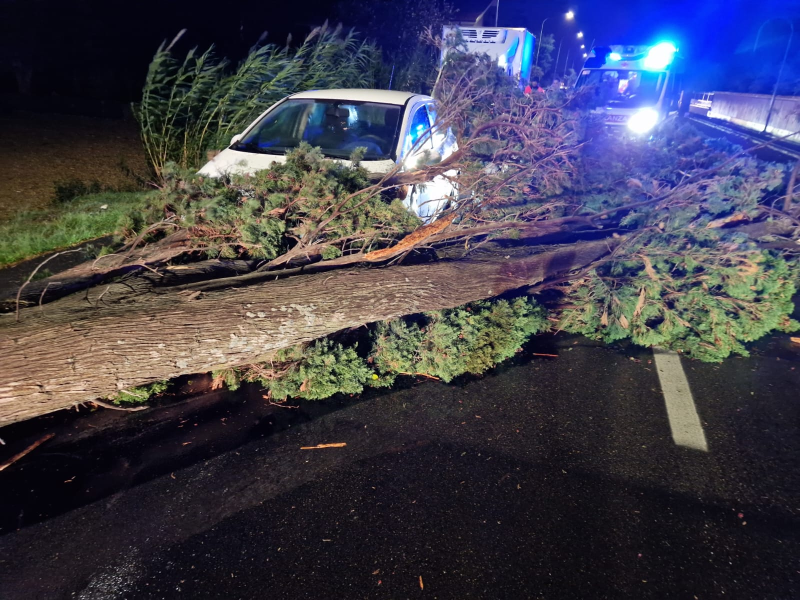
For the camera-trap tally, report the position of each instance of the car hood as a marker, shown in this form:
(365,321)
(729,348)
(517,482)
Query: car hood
(233,162)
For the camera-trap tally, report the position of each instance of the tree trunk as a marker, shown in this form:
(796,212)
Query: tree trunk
(116,337)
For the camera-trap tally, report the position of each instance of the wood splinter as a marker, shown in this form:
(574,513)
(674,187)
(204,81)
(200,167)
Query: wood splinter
(27,450)
(320,446)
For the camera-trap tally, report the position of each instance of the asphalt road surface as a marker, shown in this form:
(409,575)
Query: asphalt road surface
(570,477)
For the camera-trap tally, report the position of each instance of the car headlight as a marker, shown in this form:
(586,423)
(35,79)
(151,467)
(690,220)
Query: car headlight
(643,121)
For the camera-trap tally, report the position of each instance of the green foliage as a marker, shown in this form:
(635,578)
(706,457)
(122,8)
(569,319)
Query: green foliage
(265,214)
(30,233)
(535,137)
(544,55)
(682,281)
(442,344)
(140,395)
(331,252)
(409,60)
(570,77)
(449,343)
(230,377)
(197,104)
(70,189)
(704,306)
(319,371)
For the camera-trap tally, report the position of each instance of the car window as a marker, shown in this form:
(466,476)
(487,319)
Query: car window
(432,114)
(418,128)
(337,127)
(281,127)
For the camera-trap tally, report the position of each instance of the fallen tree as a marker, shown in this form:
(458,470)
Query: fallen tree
(88,347)
(672,242)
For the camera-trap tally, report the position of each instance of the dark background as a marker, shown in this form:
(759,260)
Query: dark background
(100,49)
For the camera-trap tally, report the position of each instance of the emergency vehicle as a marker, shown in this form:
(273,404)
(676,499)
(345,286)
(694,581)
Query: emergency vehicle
(637,86)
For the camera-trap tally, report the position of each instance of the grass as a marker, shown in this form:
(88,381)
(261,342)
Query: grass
(30,233)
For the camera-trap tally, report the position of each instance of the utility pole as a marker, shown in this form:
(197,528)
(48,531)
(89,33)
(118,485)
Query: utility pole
(539,41)
(569,16)
(558,54)
(783,64)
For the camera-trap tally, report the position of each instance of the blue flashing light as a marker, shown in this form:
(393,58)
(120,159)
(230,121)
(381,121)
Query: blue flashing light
(615,56)
(660,56)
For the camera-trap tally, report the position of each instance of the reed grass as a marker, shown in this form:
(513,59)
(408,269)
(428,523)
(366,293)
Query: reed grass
(195,104)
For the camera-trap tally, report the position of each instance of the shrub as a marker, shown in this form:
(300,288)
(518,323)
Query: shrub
(446,344)
(70,189)
(140,395)
(267,214)
(197,104)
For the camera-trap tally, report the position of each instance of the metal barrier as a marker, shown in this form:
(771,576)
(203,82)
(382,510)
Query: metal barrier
(700,104)
(753,111)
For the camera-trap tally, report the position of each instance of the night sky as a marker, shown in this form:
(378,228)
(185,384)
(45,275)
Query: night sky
(100,48)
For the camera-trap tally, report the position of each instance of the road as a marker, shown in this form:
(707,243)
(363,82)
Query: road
(607,472)
(548,478)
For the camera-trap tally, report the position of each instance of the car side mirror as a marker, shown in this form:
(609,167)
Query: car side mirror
(425,158)
(236,138)
(432,157)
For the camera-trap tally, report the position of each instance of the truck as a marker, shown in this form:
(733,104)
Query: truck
(636,86)
(511,47)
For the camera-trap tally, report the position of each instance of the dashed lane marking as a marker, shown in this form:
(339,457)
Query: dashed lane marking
(683,418)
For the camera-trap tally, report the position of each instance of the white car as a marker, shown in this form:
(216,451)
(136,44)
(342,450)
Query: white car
(393,127)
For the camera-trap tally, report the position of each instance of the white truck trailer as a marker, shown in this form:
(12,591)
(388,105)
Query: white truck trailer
(511,47)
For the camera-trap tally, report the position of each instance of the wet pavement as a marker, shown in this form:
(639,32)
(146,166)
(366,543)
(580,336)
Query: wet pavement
(548,478)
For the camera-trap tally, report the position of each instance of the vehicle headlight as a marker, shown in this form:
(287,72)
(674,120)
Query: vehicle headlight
(643,121)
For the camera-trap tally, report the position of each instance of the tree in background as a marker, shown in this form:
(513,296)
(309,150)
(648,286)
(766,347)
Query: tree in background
(545,55)
(754,69)
(397,26)
(570,77)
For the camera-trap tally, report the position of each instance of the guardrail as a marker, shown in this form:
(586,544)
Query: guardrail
(753,110)
(701,103)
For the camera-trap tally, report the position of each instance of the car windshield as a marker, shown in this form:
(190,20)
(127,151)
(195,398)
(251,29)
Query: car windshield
(623,89)
(337,127)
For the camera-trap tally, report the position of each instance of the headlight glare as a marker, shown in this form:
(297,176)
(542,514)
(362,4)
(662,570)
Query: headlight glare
(643,121)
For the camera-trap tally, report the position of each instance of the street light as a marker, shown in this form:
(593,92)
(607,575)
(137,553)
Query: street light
(783,63)
(558,54)
(569,16)
(583,46)
(585,55)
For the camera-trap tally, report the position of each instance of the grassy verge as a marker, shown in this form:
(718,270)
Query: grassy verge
(30,233)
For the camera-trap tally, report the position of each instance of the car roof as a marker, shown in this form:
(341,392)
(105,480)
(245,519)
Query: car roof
(361,95)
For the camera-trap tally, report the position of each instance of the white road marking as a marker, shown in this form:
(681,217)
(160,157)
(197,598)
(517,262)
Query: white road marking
(683,418)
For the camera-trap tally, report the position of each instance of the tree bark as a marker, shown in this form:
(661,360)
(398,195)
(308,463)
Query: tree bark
(116,337)
(96,271)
